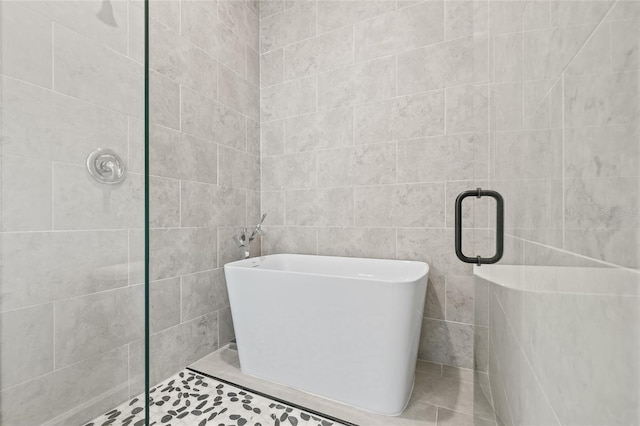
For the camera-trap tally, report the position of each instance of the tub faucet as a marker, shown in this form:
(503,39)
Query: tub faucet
(244,240)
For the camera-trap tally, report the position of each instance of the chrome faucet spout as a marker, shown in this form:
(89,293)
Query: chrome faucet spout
(243,240)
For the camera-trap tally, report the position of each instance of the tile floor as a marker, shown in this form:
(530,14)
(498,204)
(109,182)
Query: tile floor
(442,395)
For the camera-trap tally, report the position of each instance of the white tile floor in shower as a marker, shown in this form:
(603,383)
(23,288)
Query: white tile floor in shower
(442,395)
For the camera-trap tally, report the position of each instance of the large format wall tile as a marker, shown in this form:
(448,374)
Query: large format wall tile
(295,23)
(410,27)
(109,320)
(379,243)
(356,84)
(182,251)
(288,99)
(57,392)
(319,130)
(337,14)
(66,130)
(294,171)
(322,53)
(406,117)
(57,254)
(203,292)
(88,71)
(319,207)
(31,59)
(26,349)
(413,205)
(211,205)
(360,165)
(437,66)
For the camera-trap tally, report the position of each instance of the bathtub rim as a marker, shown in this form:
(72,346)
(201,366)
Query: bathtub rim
(250,264)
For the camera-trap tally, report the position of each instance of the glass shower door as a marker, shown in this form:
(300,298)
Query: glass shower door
(563,120)
(72,241)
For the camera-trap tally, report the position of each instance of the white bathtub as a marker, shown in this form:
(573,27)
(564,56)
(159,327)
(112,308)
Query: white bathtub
(343,328)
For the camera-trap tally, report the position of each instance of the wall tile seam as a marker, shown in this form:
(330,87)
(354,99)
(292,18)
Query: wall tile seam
(193,45)
(71,97)
(68,366)
(243,77)
(373,185)
(214,311)
(458,322)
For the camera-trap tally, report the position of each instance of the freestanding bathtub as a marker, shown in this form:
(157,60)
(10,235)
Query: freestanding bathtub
(343,328)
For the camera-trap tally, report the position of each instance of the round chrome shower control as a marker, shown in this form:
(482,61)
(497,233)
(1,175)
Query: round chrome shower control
(106,166)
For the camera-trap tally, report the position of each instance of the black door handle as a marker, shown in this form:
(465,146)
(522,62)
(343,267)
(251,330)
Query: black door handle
(479,193)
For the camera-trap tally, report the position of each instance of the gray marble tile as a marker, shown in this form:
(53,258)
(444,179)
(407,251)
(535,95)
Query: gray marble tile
(379,243)
(26,349)
(66,130)
(294,171)
(508,57)
(181,251)
(203,293)
(406,117)
(164,99)
(272,138)
(163,309)
(319,207)
(549,51)
(506,102)
(273,205)
(359,83)
(543,104)
(595,56)
(337,14)
(225,324)
(569,13)
(293,24)
(434,246)
(372,164)
(318,54)
(290,239)
(272,68)
(103,254)
(253,137)
(320,130)
(437,66)
(601,152)
(453,418)
(240,19)
(403,30)
(211,205)
(109,320)
(175,347)
(238,169)
(200,26)
(400,205)
(625,47)
(26,194)
(210,120)
(30,59)
(528,154)
(88,71)
(236,92)
(601,99)
(460,299)
(505,16)
(435,301)
(164,203)
(447,343)
(618,246)
(253,66)
(79,202)
(58,392)
(81,18)
(436,159)
(467,109)
(177,155)
(270,7)
(458,19)
(289,99)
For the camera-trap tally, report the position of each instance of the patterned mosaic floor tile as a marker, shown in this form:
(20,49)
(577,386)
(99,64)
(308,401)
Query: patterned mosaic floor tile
(191,399)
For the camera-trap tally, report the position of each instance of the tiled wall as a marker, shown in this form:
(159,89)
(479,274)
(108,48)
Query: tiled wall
(71,295)
(374,117)
(70,307)
(204,156)
(565,150)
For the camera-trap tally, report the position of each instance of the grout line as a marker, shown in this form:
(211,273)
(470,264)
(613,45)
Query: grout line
(53,55)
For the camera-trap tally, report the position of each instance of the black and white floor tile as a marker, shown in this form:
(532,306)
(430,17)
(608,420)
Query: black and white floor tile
(192,399)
